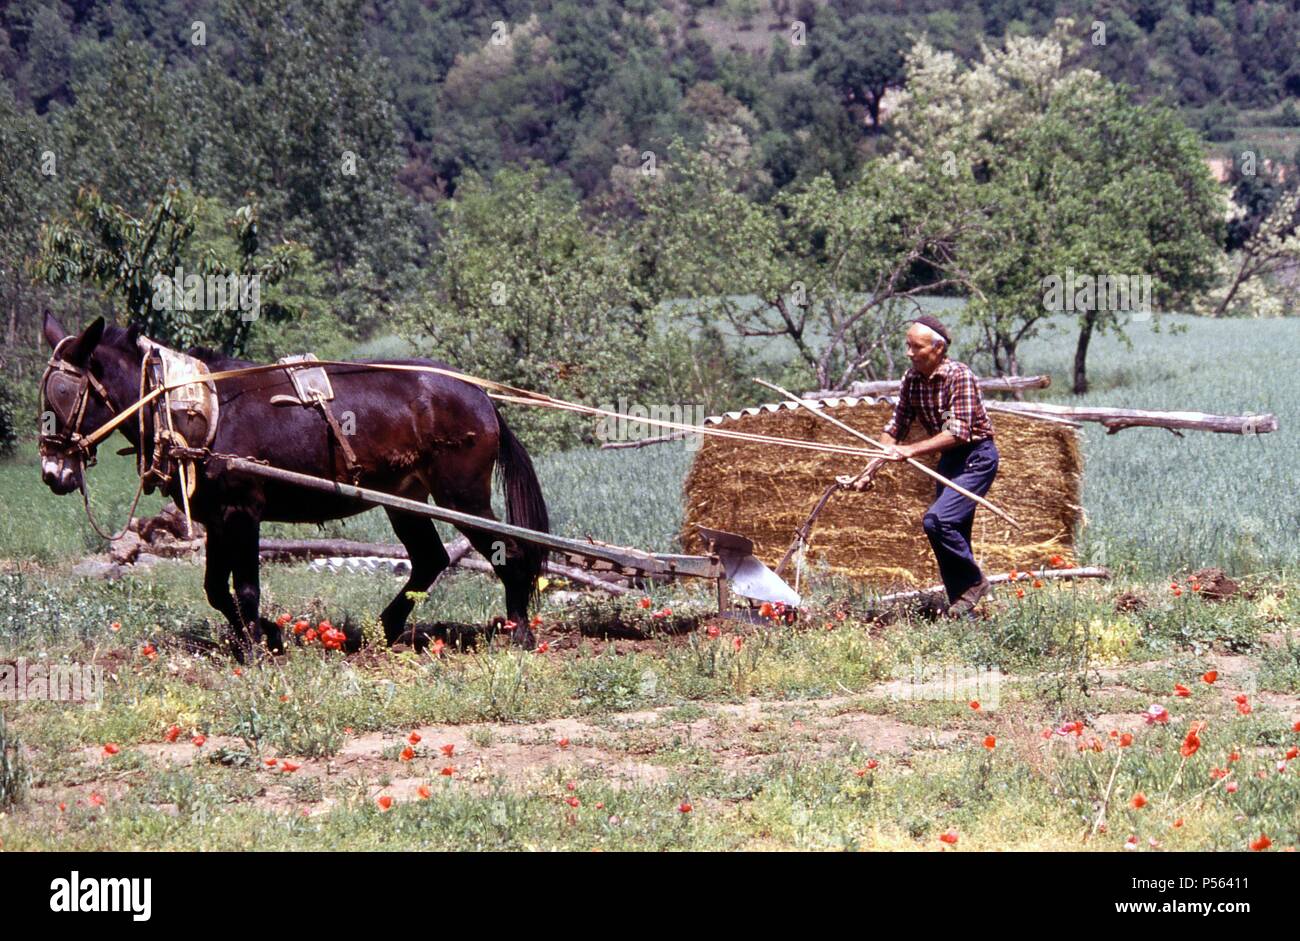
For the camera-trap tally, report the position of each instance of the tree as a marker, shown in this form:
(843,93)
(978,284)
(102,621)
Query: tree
(136,260)
(860,60)
(528,292)
(1069,175)
(833,272)
(1260,279)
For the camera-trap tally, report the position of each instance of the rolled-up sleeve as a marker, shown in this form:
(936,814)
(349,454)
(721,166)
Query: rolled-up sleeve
(901,421)
(959,410)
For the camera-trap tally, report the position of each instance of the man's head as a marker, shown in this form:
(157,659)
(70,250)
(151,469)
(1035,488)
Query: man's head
(927,344)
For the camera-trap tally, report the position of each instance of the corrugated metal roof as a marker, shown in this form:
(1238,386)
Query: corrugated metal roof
(842,401)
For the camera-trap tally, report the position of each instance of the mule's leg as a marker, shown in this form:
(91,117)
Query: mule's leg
(216,584)
(245,533)
(504,555)
(428,559)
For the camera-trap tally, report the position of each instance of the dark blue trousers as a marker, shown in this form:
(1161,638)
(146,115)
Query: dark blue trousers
(948,521)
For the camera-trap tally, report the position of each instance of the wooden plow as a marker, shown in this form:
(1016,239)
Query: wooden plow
(730,561)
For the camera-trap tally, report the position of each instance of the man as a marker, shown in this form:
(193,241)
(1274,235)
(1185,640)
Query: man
(945,396)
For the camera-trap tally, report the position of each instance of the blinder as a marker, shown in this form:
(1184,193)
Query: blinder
(65,393)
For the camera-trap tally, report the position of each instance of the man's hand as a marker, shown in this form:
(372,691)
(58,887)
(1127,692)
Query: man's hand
(896,452)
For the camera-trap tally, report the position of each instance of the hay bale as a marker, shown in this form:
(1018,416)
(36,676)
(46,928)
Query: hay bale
(766,493)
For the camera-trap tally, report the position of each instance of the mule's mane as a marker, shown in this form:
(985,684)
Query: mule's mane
(213,357)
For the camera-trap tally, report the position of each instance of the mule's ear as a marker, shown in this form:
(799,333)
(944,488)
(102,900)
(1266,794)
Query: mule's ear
(53,330)
(132,333)
(79,350)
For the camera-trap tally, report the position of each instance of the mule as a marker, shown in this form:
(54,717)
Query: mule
(416,435)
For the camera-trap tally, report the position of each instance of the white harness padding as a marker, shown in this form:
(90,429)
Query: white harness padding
(193,406)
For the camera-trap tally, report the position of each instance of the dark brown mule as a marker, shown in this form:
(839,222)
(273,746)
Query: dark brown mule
(416,435)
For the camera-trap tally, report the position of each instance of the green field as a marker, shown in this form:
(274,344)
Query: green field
(773,737)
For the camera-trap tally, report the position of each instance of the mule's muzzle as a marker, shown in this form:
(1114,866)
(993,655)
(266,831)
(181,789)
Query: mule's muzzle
(62,477)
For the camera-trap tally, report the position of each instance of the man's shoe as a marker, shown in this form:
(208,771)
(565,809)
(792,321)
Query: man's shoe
(965,603)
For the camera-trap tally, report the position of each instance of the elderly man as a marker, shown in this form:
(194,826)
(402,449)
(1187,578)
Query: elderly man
(945,396)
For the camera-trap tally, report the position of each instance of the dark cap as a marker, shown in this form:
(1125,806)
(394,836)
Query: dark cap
(929,320)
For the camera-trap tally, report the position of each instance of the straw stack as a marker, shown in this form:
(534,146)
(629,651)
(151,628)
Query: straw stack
(766,493)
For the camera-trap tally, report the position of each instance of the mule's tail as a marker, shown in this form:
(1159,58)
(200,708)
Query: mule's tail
(525,505)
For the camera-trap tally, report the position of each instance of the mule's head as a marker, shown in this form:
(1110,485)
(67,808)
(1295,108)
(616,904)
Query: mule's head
(74,396)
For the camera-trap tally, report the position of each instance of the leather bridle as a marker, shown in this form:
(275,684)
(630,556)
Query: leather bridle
(65,393)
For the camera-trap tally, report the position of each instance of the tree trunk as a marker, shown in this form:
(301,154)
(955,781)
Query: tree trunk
(1081,354)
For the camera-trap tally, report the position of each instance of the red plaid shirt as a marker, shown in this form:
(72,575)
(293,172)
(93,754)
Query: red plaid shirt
(947,401)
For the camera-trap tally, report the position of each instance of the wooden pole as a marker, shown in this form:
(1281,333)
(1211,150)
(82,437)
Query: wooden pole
(915,463)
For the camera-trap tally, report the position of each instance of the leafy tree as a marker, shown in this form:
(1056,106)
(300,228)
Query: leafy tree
(527,292)
(1069,175)
(135,260)
(859,59)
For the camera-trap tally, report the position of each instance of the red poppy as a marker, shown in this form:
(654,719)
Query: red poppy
(1178,823)
(300,626)
(1191,743)
(1210,676)
(62,806)
(407,753)
(1296,727)
(1218,773)
(975,704)
(437,647)
(765,609)
(310,636)
(172,733)
(239,671)
(270,762)
(1262,843)
(1038,583)
(1156,713)
(448,749)
(1235,756)
(1231,787)
(600,805)
(96,799)
(385,802)
(1126,740)
(712,630)
(1241,699)
(737,642)
(573,802)
(1181,690)
(424,792)
(198,740)
(1139,800)
(1292,753)
(284,697)
(685,807)
(111,749)
(536,621)
(282,621)
(448,771)
(644,603)
(949,837)
(543,646)
(1057,561)
(115,626)
(288,767)
(990,742)
(149,650)
(1020,593)
(1244,708)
